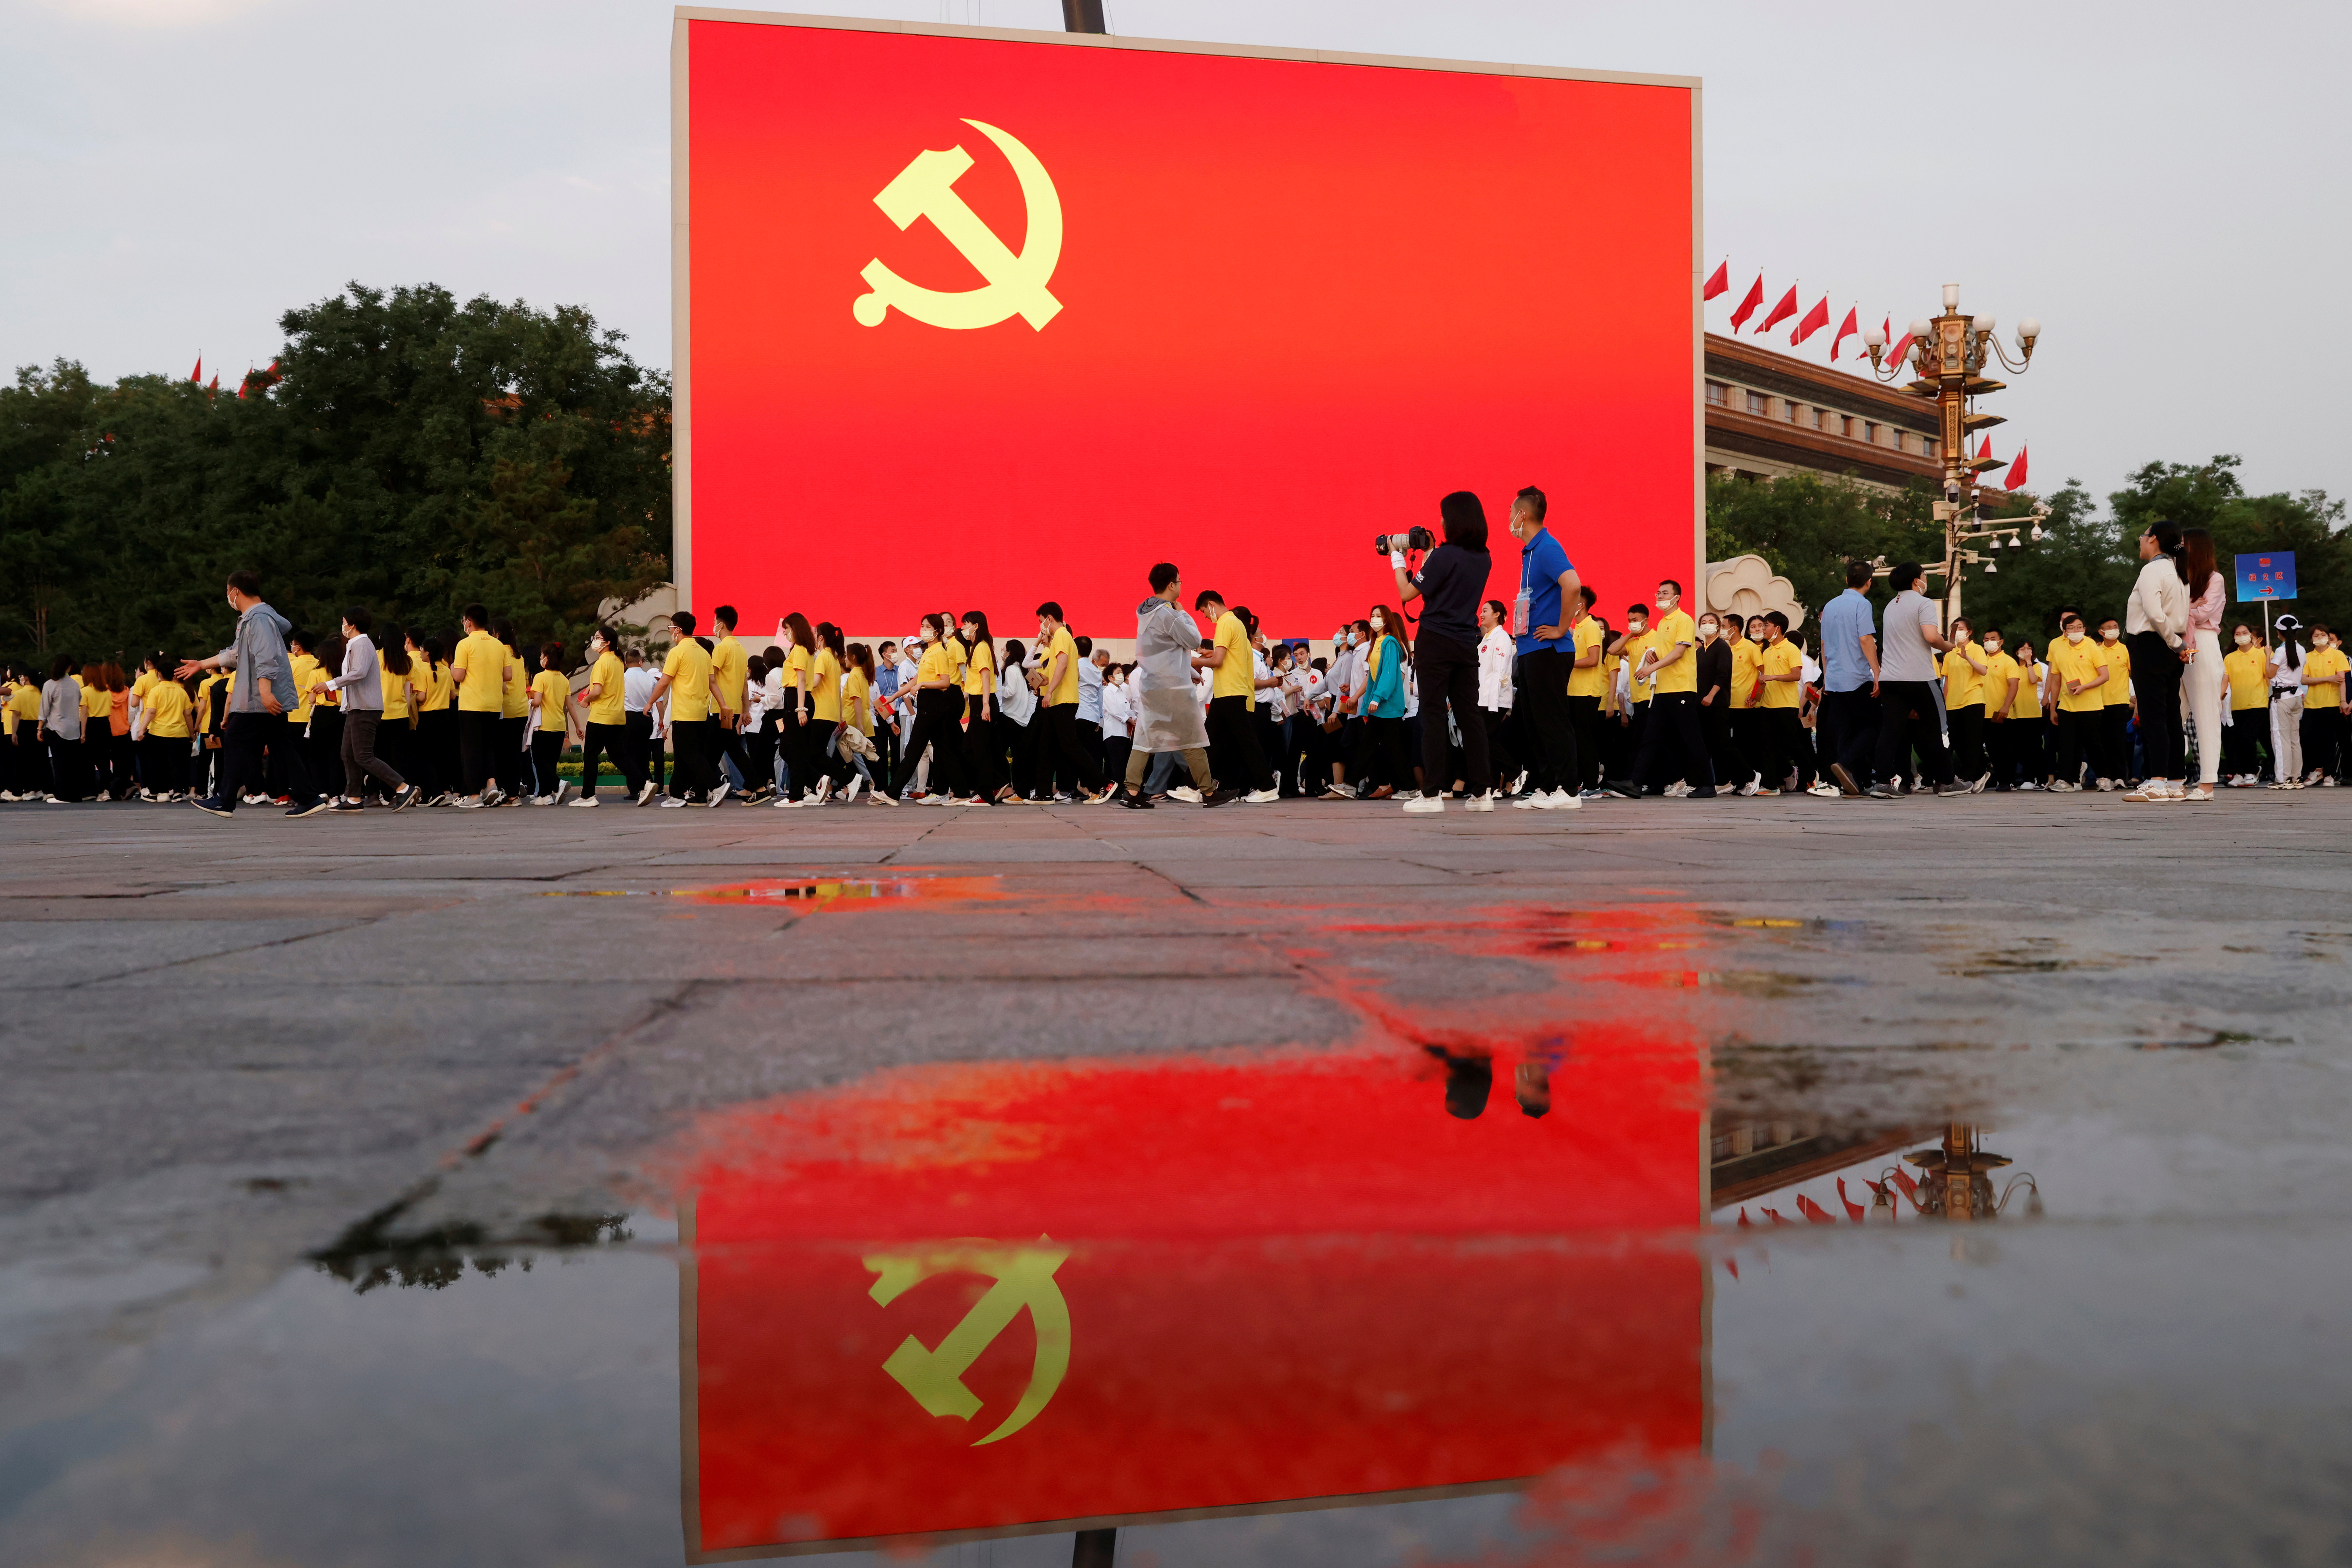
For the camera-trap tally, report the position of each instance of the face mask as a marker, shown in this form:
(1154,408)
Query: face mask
(1993,647)
(1379,625)
(2109,632)
(1706,633)
(2073,636)
(2244,639)
(1665,603)
(1637,627)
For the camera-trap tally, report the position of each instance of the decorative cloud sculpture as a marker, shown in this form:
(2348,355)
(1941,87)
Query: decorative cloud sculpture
(1746,584)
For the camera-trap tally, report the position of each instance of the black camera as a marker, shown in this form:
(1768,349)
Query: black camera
(1414,539)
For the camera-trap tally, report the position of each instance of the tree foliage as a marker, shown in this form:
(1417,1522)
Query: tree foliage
(410,453)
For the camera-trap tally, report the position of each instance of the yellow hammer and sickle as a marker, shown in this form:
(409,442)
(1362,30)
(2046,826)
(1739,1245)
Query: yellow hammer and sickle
(1017,284)
(1024,1278)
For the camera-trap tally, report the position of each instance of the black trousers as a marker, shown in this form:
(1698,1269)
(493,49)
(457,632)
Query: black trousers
(2155,676)
(509,759)
(695,773)
(724,743)
(250,739)
(437,770)
(1449,679)
(164,763)
(1968,726)
(359,759)
(1584,720)
(1380,754)
(1848,732)
(984,749)
(546,757)
(2323,741)
(477,744)
(1673,726)
(1062,721)
(600,739)
(2078,737)
(1546,716)
(69,776)
(2113,758)
(936,712)
(1906,723)
(1233,752)
(2247,728)
(1724,751)
(1776,734)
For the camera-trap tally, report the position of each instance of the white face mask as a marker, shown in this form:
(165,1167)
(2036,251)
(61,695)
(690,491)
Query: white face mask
(1992,646)
(2245,639)
(1706,633)
(2109,632)
(1637,627)
(2074,636)
(1664,602)
(1379,625)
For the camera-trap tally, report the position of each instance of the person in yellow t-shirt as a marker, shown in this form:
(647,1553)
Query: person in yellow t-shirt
(1965,668)
(1673,744)
(550,714)
(858,716)
(163,745)
(2247,671)
(825,712)
(731,669)
(1588,700)
(686,682)
(2324,707)
(478,668)
(1636,690)
(802,747)
(1057,652)
(604,725)
(2076,691)
(2030,729)
(1778,711)
(1233,750)
(2118,709)
(937,706)
(2000,691)
(985,741)
(27,774)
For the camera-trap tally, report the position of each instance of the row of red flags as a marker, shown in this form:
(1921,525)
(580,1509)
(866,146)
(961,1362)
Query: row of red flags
(197,375)
(1814,322)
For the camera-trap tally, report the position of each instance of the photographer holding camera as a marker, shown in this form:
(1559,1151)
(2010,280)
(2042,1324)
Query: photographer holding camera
(1450,585)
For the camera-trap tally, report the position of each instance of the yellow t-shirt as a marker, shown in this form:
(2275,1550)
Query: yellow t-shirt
(440,687)
(2117,690)
(2082,660)
(96,700)
(979,670)
(937,663)
(484,659)
(2248,669)
(1583,638)
(1673,627)
(394,689)
(1999,668)
(610,705)
(796,661)
(1065,690)
(1783,658)
(307,672)
(204,703)
(824,688)
(24,706)
(167,711)
(1746,660)
(1238,677)
(1963,687)
(2323,678)
(139,687)
(2027,702)
(516,702)
(858,694)
(554,700)
(688,669)
(1637,645)
(728,669)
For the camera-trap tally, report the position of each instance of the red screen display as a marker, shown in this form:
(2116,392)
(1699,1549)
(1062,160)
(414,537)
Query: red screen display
(1240,313)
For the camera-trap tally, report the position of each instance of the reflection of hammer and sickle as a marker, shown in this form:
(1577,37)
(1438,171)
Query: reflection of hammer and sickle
(1017,284)
(1024,1278)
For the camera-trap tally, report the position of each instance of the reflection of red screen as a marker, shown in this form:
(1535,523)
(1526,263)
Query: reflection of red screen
(1299,302)
(1287,1279)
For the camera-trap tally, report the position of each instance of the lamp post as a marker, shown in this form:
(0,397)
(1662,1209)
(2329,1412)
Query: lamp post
(1952,354)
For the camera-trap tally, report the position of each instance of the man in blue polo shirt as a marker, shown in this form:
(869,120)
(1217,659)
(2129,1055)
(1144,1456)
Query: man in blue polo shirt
(1546,651)
(1849,716)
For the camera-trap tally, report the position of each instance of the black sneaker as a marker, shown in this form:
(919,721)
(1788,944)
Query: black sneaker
(1134,802)
(1624,791)
(211,806)
(405,796)
(1882,792)
(1220,795)
(313,809)
(340,805)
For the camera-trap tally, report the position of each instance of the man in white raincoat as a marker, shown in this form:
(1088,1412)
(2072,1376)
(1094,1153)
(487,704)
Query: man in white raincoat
(1167,708)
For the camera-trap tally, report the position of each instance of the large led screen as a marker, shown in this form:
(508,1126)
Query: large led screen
(974,318)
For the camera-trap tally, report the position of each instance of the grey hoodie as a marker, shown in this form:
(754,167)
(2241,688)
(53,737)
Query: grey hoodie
(260,653)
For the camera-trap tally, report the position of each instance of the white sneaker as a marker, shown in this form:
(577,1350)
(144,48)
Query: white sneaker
(1677,790)
(856,782)
(878,798)
(1540,800)
(720,793)
(1567,800)
(585,800)
(542,800)
(937,798)
(469,802)
(1184,793)
(1749,788)
(1483,802)
(1262,796)
(824,789)
(788,803)
(648,791)
(672,803)
(1424,804)
(1826,791)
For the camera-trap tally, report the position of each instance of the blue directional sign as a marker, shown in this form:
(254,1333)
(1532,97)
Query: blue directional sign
(2270,576)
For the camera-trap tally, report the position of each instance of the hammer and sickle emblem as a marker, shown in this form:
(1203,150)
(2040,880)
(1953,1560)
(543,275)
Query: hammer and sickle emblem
(1017,284)
(1024,1278)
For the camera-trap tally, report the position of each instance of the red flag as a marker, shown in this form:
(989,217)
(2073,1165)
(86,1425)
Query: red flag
(215,385)
(1910,1188)
(198,374)
(1984,453)
(1846,328)
(1813,1211)
(1753,297)
(1854,1211)
(1775,1216)
(1745,1223)
(1781,311)
(1718,284)
(1815,320)
(2016,472)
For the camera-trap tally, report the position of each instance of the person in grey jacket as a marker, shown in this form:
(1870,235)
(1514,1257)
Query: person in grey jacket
(1167,710)
(61,724)
(360,686)
(256,722)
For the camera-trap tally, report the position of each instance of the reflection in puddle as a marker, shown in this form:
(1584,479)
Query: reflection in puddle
(819,892)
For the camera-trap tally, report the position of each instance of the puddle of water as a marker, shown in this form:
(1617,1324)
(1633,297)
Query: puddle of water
(813,892)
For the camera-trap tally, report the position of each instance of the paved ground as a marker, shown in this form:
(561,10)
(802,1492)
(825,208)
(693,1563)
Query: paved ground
(251,1064)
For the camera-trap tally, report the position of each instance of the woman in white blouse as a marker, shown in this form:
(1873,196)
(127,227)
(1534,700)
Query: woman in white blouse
(1497,650)
(2157,621)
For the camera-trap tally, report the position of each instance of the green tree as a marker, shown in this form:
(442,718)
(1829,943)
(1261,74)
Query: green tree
(2081,560)
(1809,525)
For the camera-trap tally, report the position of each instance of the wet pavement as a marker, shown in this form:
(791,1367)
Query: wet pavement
(1769,1182)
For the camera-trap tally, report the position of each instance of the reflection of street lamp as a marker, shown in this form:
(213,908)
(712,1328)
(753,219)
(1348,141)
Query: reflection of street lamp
(1952,353)
(1958,1184)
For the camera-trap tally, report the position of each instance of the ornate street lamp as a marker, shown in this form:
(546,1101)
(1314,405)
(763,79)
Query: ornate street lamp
(1951,355)
(1956,1181)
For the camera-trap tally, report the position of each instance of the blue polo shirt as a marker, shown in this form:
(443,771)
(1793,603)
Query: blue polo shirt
(1541,561)
(1845,621)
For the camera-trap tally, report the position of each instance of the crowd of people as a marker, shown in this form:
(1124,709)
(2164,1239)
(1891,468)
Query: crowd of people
(1538,701)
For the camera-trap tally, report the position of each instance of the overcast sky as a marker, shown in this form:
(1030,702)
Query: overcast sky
(2164,186)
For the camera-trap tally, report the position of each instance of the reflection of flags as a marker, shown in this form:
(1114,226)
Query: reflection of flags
(1781,311)
(2016,472)
(1813,1211)
(1749,301)
(1910,1188)
(1776,1216)
(1745,1223)
(1720,283)
(1815,320)
(1846,328)
(1854,1211)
